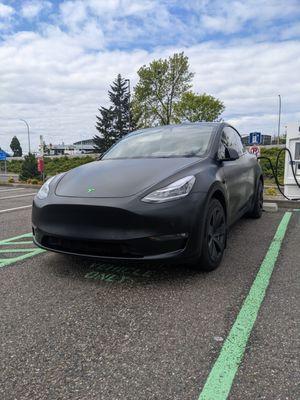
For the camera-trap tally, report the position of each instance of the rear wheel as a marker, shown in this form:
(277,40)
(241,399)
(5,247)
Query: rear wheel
(214,239)
(257,208)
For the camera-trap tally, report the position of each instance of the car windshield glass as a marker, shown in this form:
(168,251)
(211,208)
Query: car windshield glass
(171,141)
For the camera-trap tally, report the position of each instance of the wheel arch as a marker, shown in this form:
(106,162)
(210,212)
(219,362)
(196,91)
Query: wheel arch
(261,178)
(219,195)
(217,192)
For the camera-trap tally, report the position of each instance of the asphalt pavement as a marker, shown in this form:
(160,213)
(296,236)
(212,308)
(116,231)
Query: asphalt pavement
(73,328)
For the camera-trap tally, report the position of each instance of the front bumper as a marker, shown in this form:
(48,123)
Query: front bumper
(119,228)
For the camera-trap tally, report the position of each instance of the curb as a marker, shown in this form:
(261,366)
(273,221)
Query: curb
(283,203)
(270,207)
(21,185)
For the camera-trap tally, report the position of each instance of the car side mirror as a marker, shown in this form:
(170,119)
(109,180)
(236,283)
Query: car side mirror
(230,154)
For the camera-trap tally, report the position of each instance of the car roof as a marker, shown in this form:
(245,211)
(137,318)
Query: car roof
(178,126)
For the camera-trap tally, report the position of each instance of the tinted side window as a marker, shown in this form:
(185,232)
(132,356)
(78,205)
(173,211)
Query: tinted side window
(230,138)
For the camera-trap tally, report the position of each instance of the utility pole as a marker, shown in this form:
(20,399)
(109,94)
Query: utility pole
(129,95)
(279,116)
(28,132)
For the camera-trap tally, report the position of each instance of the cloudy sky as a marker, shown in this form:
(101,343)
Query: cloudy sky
(57,59)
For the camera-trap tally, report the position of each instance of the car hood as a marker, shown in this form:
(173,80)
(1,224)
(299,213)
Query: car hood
(118,178)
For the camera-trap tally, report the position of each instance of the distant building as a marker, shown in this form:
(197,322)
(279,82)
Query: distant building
(266,139)
(81,147)
(85,142)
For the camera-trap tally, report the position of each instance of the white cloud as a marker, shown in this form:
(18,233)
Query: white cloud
(54,83)
(248,78)
(121,7)
(233,16)
(6,11)
(31,9)
(293,31)
(58,76)
(73,13)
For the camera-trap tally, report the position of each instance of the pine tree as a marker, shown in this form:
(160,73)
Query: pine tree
(16,147)
(104,127)
(119,97)
(114,122)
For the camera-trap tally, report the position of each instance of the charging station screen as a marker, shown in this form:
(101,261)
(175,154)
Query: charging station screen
(297,151)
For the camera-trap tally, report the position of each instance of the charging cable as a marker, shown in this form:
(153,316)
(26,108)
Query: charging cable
(275,171)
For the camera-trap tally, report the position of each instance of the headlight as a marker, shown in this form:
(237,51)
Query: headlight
(174,191)
(44,190)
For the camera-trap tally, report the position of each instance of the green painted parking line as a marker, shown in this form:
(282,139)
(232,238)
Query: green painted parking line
(15,250)
(25,235)
(25,252)
(14,243)
(220,379)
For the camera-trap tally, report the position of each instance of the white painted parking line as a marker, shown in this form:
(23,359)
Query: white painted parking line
(14,209)
(10,190)
(20,195)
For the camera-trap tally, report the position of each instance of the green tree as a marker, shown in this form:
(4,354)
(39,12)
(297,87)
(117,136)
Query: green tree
(114,122)
(160,87)
(16,147)
(29,168)
(198,107)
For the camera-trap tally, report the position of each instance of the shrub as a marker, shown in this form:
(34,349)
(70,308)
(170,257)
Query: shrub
(265,165)
(53,166)
(270,192)
(11,180)
(34,181)
(14,166)
(29,168)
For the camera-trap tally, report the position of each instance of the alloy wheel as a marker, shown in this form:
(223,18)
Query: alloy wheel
(216,233)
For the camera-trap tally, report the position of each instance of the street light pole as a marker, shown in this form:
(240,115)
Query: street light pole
(129,95)
(28,132)
(279,116)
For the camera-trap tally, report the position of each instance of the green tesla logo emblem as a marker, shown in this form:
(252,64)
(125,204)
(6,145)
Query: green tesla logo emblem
(91,189)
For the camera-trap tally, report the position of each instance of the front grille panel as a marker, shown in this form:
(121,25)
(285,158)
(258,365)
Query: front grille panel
(93,248)
(135,248)
(99,223)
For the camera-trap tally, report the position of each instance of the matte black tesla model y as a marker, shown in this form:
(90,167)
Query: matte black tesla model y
(165,193)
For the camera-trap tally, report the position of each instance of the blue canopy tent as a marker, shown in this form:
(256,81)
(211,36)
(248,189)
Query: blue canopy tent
(3,157)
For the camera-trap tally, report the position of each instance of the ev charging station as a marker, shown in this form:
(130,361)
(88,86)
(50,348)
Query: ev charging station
(291,189)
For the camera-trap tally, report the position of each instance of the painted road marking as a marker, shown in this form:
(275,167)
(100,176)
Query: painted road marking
(220,379)
(14,209)
(10,190)
(19,195)
(25,252)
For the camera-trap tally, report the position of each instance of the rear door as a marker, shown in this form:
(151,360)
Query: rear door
(236,173)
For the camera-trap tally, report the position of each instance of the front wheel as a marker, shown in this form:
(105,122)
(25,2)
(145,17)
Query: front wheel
(214,239)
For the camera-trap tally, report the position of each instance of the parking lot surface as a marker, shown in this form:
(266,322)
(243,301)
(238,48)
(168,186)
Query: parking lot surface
(75,328)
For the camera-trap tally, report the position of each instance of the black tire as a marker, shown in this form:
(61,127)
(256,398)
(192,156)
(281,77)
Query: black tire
(257,208)
(214,237)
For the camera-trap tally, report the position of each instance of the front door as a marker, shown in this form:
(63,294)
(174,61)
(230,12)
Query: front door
(235,173)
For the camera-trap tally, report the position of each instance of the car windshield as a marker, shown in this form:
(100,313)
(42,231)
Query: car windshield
(171,141)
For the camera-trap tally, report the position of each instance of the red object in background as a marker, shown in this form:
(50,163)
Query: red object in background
(255,150)
(40,164)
